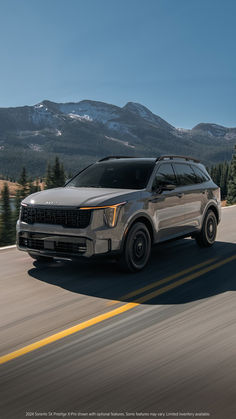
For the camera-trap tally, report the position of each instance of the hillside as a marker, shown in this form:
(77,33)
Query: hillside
(13,186)
(80,133)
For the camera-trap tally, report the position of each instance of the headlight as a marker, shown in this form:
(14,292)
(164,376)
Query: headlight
(22,206)
(111,214)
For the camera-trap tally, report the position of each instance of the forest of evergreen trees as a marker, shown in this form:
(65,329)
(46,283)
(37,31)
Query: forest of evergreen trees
(223,174)
(220,175)
(54,178)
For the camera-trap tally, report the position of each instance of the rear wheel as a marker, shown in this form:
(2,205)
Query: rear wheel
(207,235)
(40,258)
(137,248)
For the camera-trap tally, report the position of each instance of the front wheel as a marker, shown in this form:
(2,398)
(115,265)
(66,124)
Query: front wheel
(137,248)
(40,258)
(206,237)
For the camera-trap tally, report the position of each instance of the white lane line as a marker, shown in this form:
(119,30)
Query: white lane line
(228,206)
(7,247)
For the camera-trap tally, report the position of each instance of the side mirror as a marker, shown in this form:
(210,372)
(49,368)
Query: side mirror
(161,188)
(169,187)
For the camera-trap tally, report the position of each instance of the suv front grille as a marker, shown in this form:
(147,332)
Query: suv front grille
(65,217)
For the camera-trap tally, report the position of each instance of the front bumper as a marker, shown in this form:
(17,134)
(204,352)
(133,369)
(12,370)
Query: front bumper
(64,246)
(52,240)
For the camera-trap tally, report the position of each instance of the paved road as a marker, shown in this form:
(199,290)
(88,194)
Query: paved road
(161,341)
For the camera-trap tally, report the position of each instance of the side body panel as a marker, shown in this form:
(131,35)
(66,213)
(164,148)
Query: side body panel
(168,212)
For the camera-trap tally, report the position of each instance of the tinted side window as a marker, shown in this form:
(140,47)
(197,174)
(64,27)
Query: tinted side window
(185,174)
(165,176)
(200,176)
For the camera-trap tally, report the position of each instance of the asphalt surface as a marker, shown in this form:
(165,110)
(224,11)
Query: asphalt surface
(172,352)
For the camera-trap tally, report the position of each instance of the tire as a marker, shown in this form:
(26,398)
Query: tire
(207,235)
(40,258)
(137,248)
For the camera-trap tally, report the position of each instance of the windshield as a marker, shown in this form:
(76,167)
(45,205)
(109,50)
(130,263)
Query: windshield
(115,174)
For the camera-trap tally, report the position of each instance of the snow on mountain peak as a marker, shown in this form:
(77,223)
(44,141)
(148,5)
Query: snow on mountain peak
(90,110)
(74,115)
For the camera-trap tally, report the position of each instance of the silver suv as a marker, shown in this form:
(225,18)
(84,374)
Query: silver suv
(121,206)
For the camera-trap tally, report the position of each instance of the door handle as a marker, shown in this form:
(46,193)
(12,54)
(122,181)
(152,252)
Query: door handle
(180,194)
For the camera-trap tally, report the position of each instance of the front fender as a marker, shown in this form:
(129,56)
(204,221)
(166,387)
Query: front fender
(141,216)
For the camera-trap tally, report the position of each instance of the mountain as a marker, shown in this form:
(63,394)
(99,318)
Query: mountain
(79,133)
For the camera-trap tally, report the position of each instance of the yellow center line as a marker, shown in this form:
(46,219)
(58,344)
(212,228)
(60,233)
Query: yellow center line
(110,314)
(66,332)
(160,282)
(188,278)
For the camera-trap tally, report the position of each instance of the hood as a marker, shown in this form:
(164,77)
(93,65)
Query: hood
(79,197)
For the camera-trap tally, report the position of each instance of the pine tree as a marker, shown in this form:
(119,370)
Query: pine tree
(58,173)
(49,177)
(213,173)
(37,186)
(220,174)
(30,186)
(18,200)
(62,176)
(224,179)
(231,196)
(56,170)
(55,176)
(6,234)
(33,186)
(23,181)
(21,193)
(218,169)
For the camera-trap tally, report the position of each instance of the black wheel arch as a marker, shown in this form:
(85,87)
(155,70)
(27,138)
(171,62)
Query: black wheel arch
(212,207)
(139,218)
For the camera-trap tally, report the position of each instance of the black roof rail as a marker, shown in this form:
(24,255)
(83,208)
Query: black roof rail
(164,157)
(116,157)
(172,157)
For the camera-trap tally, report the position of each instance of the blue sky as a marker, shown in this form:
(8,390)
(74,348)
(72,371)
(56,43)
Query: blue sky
(177,57)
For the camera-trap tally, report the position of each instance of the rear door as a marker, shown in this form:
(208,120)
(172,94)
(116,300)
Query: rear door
(194,196)
(167,207)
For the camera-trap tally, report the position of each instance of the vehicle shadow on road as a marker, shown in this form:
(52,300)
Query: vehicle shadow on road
(103,279)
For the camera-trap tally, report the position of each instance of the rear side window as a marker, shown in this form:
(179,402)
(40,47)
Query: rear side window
(200,176)
(185,174)
(165,176)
